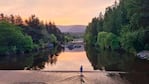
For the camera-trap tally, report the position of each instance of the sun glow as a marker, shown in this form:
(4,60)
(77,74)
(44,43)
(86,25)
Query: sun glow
(58,11)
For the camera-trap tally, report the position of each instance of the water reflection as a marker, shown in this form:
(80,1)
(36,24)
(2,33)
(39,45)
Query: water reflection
(70,60)
(15,62)
(57,58)
(136,78)
(36,60)
(116,61)
(136,69)
(52,59)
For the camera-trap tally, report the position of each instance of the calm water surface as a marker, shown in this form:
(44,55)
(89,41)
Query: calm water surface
(49,59)
(70,60)
(57,59)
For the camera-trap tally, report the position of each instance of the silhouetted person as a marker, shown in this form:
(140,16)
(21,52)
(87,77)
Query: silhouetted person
(81,75)
(81,70)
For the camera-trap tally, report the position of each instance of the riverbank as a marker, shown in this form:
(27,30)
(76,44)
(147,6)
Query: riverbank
(57,77)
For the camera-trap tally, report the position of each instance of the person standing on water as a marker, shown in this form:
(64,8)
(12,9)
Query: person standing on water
(81,75)
(81,70)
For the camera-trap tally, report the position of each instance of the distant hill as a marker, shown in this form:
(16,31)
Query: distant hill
(72,28)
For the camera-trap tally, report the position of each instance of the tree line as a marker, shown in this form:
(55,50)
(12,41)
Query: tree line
(19,36)
(125,25)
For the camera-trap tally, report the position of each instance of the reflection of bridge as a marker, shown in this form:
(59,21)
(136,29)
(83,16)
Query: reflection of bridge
(77,41)
(76,45)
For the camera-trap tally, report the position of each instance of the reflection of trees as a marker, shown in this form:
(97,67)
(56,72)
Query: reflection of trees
(33,60)
(92,56)
(136,78)
(52,59)
(15,62)
(46,57)
(113,60)
(110,60)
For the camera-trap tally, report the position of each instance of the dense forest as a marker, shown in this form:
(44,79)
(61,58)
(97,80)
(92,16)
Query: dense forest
(114,39)
(124,26)
(32,34)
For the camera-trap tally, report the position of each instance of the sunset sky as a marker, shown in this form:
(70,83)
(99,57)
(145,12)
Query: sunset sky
(62,12)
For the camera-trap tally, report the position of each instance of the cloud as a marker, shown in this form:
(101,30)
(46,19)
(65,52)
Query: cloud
(60,11)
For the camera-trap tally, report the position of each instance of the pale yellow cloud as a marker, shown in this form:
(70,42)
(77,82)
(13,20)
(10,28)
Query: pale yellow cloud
(59,11)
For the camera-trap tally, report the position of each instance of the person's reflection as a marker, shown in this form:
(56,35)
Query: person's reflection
(52,59)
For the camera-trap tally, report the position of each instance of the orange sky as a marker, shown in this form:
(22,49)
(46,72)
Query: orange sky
(62,12)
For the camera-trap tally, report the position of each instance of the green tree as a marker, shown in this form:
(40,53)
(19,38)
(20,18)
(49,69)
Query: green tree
(53,38)
(107,40)
(101,41)
(112,41)
(12,39)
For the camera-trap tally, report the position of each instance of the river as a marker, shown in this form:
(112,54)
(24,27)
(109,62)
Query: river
(70,60)
(59,65)
(55,59)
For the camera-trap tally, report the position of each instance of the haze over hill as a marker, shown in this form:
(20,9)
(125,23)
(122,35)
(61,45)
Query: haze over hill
(72,28)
